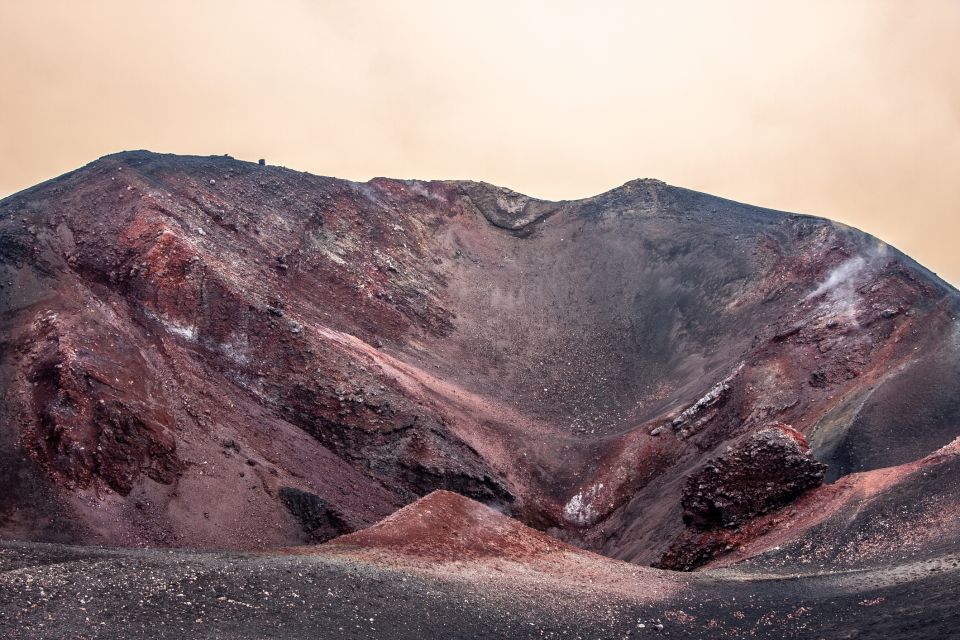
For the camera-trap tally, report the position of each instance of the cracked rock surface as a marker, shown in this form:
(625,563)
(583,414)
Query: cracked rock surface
(765,470)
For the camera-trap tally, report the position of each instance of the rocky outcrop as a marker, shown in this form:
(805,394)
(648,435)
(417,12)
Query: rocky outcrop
(762,472)
(722,500)
(692,419)
(507,209)
(87,415)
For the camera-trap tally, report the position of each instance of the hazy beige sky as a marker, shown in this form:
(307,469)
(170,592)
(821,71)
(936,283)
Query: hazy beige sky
(845,109)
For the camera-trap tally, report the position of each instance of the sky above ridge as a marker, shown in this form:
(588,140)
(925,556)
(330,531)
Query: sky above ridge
(849,110)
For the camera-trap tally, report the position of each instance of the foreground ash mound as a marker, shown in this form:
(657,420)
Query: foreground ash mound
(200,352)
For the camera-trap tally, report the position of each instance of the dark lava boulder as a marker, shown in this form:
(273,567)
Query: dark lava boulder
(766,470)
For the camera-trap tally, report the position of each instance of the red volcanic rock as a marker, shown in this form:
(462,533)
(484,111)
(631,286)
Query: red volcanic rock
(450,536)
(88,423)
(761,472)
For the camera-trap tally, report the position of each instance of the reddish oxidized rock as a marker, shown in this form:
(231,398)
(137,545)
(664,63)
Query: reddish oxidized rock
(85,422)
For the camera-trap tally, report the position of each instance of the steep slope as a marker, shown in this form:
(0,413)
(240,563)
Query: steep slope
(204,352)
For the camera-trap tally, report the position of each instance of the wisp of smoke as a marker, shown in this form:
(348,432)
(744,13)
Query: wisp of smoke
(842,274)
(840,285)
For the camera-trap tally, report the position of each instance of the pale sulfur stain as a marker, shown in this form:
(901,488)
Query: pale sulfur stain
(580,508)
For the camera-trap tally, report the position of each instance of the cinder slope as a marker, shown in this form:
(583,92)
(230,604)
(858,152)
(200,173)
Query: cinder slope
(447,535)
(447,527)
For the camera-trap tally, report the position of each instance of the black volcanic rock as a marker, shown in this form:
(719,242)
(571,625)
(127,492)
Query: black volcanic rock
(764,471)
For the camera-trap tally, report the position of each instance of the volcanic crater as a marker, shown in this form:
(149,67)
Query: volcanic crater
(205,353)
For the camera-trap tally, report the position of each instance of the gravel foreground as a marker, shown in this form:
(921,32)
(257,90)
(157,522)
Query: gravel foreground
(55,591)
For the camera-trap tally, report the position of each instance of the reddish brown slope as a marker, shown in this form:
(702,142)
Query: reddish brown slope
(445,534)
